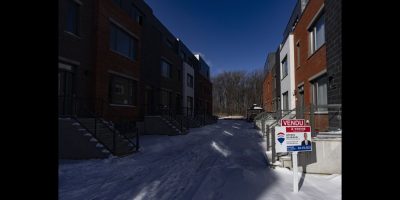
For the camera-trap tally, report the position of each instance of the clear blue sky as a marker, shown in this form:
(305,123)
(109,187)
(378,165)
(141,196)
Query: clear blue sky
(230,34)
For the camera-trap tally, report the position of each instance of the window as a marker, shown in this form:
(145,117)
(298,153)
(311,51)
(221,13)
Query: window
(183,56)
(284,67)
(189,80)
(73,17)
(140,18)
(168,43)
(122,90)
(136,15)
(298,53)
(285,101)
(123,43)
(317,34)
(165,69)
(320,92)
(190,102)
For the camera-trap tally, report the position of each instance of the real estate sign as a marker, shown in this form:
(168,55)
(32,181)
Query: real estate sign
(292,136)
(293,122)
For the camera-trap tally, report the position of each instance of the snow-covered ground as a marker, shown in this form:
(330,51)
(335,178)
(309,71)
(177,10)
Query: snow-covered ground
(219,161)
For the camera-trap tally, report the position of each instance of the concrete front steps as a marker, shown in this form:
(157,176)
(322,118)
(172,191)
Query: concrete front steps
(158,125)
(325,158)
(115,142)
(74,142)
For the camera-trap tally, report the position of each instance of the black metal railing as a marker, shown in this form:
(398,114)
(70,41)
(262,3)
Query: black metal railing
(174,117)
(321,118)
(90,114)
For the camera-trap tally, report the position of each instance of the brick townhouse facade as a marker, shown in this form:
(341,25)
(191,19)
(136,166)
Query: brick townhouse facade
(310,63)
(118,60)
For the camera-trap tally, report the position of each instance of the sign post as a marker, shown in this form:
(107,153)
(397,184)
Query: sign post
(295,172)
(293,136)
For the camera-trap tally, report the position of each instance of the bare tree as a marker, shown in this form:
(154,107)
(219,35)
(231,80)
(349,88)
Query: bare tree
(235,91)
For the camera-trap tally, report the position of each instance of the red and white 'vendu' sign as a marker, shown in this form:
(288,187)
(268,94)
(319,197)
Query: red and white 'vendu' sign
(292,135)
(293,122)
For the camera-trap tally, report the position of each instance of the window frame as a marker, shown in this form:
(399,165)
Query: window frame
(168,75)
(284,60)
(131,87)
(285,94)
(76,20)
(312,32)
(315,94)
(117,31)
(189,80)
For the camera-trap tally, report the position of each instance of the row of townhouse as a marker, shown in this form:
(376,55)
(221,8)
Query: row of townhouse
(118,62)
(303,76)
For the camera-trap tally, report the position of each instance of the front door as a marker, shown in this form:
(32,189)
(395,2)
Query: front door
(65,89)
(148,101)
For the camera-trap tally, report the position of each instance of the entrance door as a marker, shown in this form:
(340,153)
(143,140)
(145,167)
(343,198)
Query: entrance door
(148,101)
(65,89)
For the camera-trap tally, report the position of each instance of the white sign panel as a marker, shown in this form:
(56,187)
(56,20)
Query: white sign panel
(280,139)
(292,138)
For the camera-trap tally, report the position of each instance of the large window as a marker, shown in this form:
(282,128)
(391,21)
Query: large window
(123,43)
(122,90)
(284,67)
(317,34)
(73,17)
(285,101)
(165,69)
(189,80)
(320,92)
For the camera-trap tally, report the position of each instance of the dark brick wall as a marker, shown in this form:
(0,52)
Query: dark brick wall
(203,94)
(91,49)
(309,64)
(107,60)
(333,28)
(276,71)
(267,92)
(154,50)
(78,48)
(203,89)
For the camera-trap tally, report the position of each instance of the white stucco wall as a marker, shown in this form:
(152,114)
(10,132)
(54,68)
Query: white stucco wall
(187,91)
(287,83)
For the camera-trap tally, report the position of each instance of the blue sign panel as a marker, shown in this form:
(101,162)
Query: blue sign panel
(300,148)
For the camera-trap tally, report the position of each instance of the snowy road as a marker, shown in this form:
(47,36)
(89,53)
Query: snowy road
(218,161)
